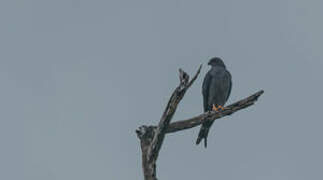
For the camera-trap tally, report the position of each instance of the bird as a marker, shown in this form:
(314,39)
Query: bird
(216,89)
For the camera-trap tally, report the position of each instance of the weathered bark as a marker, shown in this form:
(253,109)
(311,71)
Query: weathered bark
(212,115)
(152,137)
(170,109)
(146,134)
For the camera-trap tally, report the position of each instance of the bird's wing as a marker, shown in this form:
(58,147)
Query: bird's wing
(205,90)
(230,85)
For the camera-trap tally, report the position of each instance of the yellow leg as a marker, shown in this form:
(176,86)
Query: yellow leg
(221,107)
(214,108)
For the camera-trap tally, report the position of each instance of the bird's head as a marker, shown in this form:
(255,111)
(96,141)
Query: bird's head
(216,61)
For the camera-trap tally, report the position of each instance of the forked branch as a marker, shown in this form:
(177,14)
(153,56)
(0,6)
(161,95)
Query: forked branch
(152,137)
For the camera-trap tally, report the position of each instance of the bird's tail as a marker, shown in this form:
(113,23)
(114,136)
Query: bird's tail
(204,131)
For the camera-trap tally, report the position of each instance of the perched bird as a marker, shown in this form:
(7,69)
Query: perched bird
(216,90)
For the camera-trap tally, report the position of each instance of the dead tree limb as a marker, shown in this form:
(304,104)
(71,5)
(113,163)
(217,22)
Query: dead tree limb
(212,115)
(152,137)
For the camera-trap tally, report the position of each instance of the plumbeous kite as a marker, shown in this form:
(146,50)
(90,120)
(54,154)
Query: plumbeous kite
(216,90)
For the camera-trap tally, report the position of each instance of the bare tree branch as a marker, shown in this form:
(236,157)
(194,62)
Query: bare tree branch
(170,109)
(212,115)
(152,137)
(146,134)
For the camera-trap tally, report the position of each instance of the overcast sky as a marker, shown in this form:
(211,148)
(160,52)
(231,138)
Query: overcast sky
(78,77)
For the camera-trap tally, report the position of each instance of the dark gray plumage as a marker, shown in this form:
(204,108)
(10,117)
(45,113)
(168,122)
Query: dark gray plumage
(216,90)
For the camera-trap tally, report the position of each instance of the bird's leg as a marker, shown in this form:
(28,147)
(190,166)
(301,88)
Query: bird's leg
(221,107)
(214,108)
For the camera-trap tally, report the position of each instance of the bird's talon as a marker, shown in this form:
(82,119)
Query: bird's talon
(214,108)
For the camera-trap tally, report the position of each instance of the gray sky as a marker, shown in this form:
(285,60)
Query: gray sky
(78,77)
